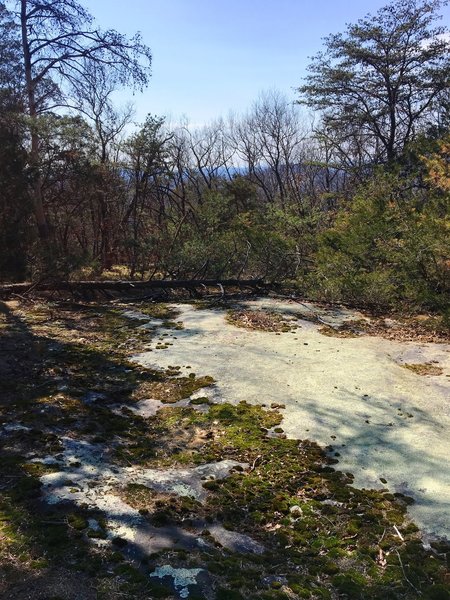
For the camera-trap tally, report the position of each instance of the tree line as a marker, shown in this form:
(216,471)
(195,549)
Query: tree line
(349,202)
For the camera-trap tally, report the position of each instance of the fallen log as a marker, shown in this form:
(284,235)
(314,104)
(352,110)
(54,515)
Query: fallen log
(7,290)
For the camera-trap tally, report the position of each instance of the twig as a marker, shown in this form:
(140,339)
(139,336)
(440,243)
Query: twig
(399,534)
(404,574)
(316,316)
(24,298)
(257,459)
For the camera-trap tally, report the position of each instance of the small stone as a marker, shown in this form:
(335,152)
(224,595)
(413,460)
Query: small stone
(296,511)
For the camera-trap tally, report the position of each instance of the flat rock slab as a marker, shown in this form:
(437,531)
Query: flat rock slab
(384,420)
(150,407)
(183,482)
(234,541)
(184,581)
(89,478)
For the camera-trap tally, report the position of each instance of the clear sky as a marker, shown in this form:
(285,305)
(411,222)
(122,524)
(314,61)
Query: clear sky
(215,56)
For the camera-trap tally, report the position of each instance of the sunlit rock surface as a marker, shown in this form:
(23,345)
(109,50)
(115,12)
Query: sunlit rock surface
(89,478)
(353,393)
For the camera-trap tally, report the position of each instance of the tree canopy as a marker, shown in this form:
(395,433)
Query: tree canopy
(382,80)
(354,209)
(56,45)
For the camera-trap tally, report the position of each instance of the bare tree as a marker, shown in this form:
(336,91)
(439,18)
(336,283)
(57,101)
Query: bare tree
(270,140)
(58,38)
(210,154)
(92,97)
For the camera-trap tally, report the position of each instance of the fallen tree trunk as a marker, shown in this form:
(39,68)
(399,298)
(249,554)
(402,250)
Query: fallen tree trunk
(81,287)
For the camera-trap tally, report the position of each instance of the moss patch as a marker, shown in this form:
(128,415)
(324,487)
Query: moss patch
(343,331)
(302,510)
(423,368)
(260,320)
(158,310)
(171,389)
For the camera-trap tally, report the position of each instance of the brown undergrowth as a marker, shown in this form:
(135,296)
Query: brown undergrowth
(423,329)
(260,320)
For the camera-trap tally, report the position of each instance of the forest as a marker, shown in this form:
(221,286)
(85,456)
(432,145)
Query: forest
(350,204)
(224,349)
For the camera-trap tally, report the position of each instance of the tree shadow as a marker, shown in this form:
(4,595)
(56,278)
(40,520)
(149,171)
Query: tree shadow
(390,446)
(46,386)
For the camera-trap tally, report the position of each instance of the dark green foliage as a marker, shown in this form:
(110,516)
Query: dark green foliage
(230,235)
(15,207)
(390,246)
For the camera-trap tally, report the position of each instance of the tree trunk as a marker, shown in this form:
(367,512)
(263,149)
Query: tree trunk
(129,286)
(36,192)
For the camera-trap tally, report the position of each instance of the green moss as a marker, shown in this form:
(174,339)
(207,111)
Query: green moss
(199,401)
(96,534)
(158,590)
(39,564)
(274,595)
(405,499)
(211,484)
(351,584)
(77,521)
(301,591)
(423,368)
(39,469)
(158,310)
(131,574)
(172,325)
(438,592)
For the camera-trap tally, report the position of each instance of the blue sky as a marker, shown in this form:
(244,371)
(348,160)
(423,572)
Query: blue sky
(211,57)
